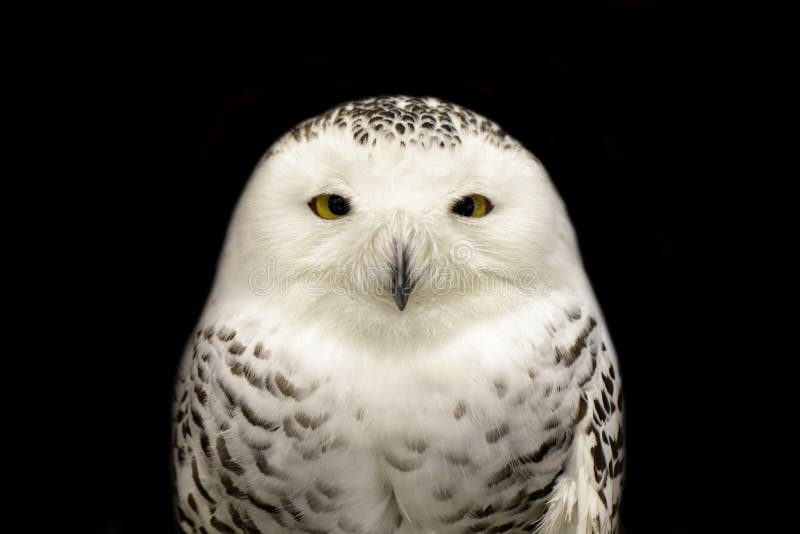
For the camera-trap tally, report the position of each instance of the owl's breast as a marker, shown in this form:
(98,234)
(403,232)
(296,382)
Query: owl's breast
(478,434)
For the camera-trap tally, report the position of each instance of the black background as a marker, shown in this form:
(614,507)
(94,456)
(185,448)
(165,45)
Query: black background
(145,127)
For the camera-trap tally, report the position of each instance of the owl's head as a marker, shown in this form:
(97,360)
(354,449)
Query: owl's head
(406,215)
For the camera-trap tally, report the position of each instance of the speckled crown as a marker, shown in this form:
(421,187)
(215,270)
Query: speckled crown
(407,121)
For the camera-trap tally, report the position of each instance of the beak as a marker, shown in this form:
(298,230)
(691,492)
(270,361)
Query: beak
(401,284)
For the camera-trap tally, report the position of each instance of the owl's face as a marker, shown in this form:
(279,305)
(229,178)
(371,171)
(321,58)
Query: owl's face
(401,238)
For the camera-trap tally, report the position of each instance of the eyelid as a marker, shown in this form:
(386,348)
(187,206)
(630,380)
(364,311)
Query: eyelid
(335,184)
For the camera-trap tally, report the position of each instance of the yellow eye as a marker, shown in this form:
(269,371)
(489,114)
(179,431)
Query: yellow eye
(472,206)
(329,206)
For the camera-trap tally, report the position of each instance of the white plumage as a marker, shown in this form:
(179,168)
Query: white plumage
(309,401)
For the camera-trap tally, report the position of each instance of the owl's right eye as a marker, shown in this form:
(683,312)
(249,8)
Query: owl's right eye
(329,206)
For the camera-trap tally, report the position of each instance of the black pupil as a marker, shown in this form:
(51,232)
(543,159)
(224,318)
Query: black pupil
(338,205)
(465,206)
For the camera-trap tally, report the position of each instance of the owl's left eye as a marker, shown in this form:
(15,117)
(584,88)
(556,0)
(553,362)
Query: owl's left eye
(329,206)
(472,206)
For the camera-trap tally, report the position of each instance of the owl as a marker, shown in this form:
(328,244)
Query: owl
(400,338)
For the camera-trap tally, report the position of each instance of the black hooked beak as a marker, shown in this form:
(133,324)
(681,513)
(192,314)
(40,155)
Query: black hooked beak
(401,284)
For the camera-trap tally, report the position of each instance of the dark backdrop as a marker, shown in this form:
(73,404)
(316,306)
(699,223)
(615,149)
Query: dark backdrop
(157,122)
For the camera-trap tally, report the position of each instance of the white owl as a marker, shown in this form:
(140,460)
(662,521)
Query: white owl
(400,338)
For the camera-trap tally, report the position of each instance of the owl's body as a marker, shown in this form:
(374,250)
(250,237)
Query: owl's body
(306,403)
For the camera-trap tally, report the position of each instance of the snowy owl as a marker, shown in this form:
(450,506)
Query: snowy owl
(400,338)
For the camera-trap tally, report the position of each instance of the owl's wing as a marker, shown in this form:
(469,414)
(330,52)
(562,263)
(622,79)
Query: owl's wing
(587,495)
